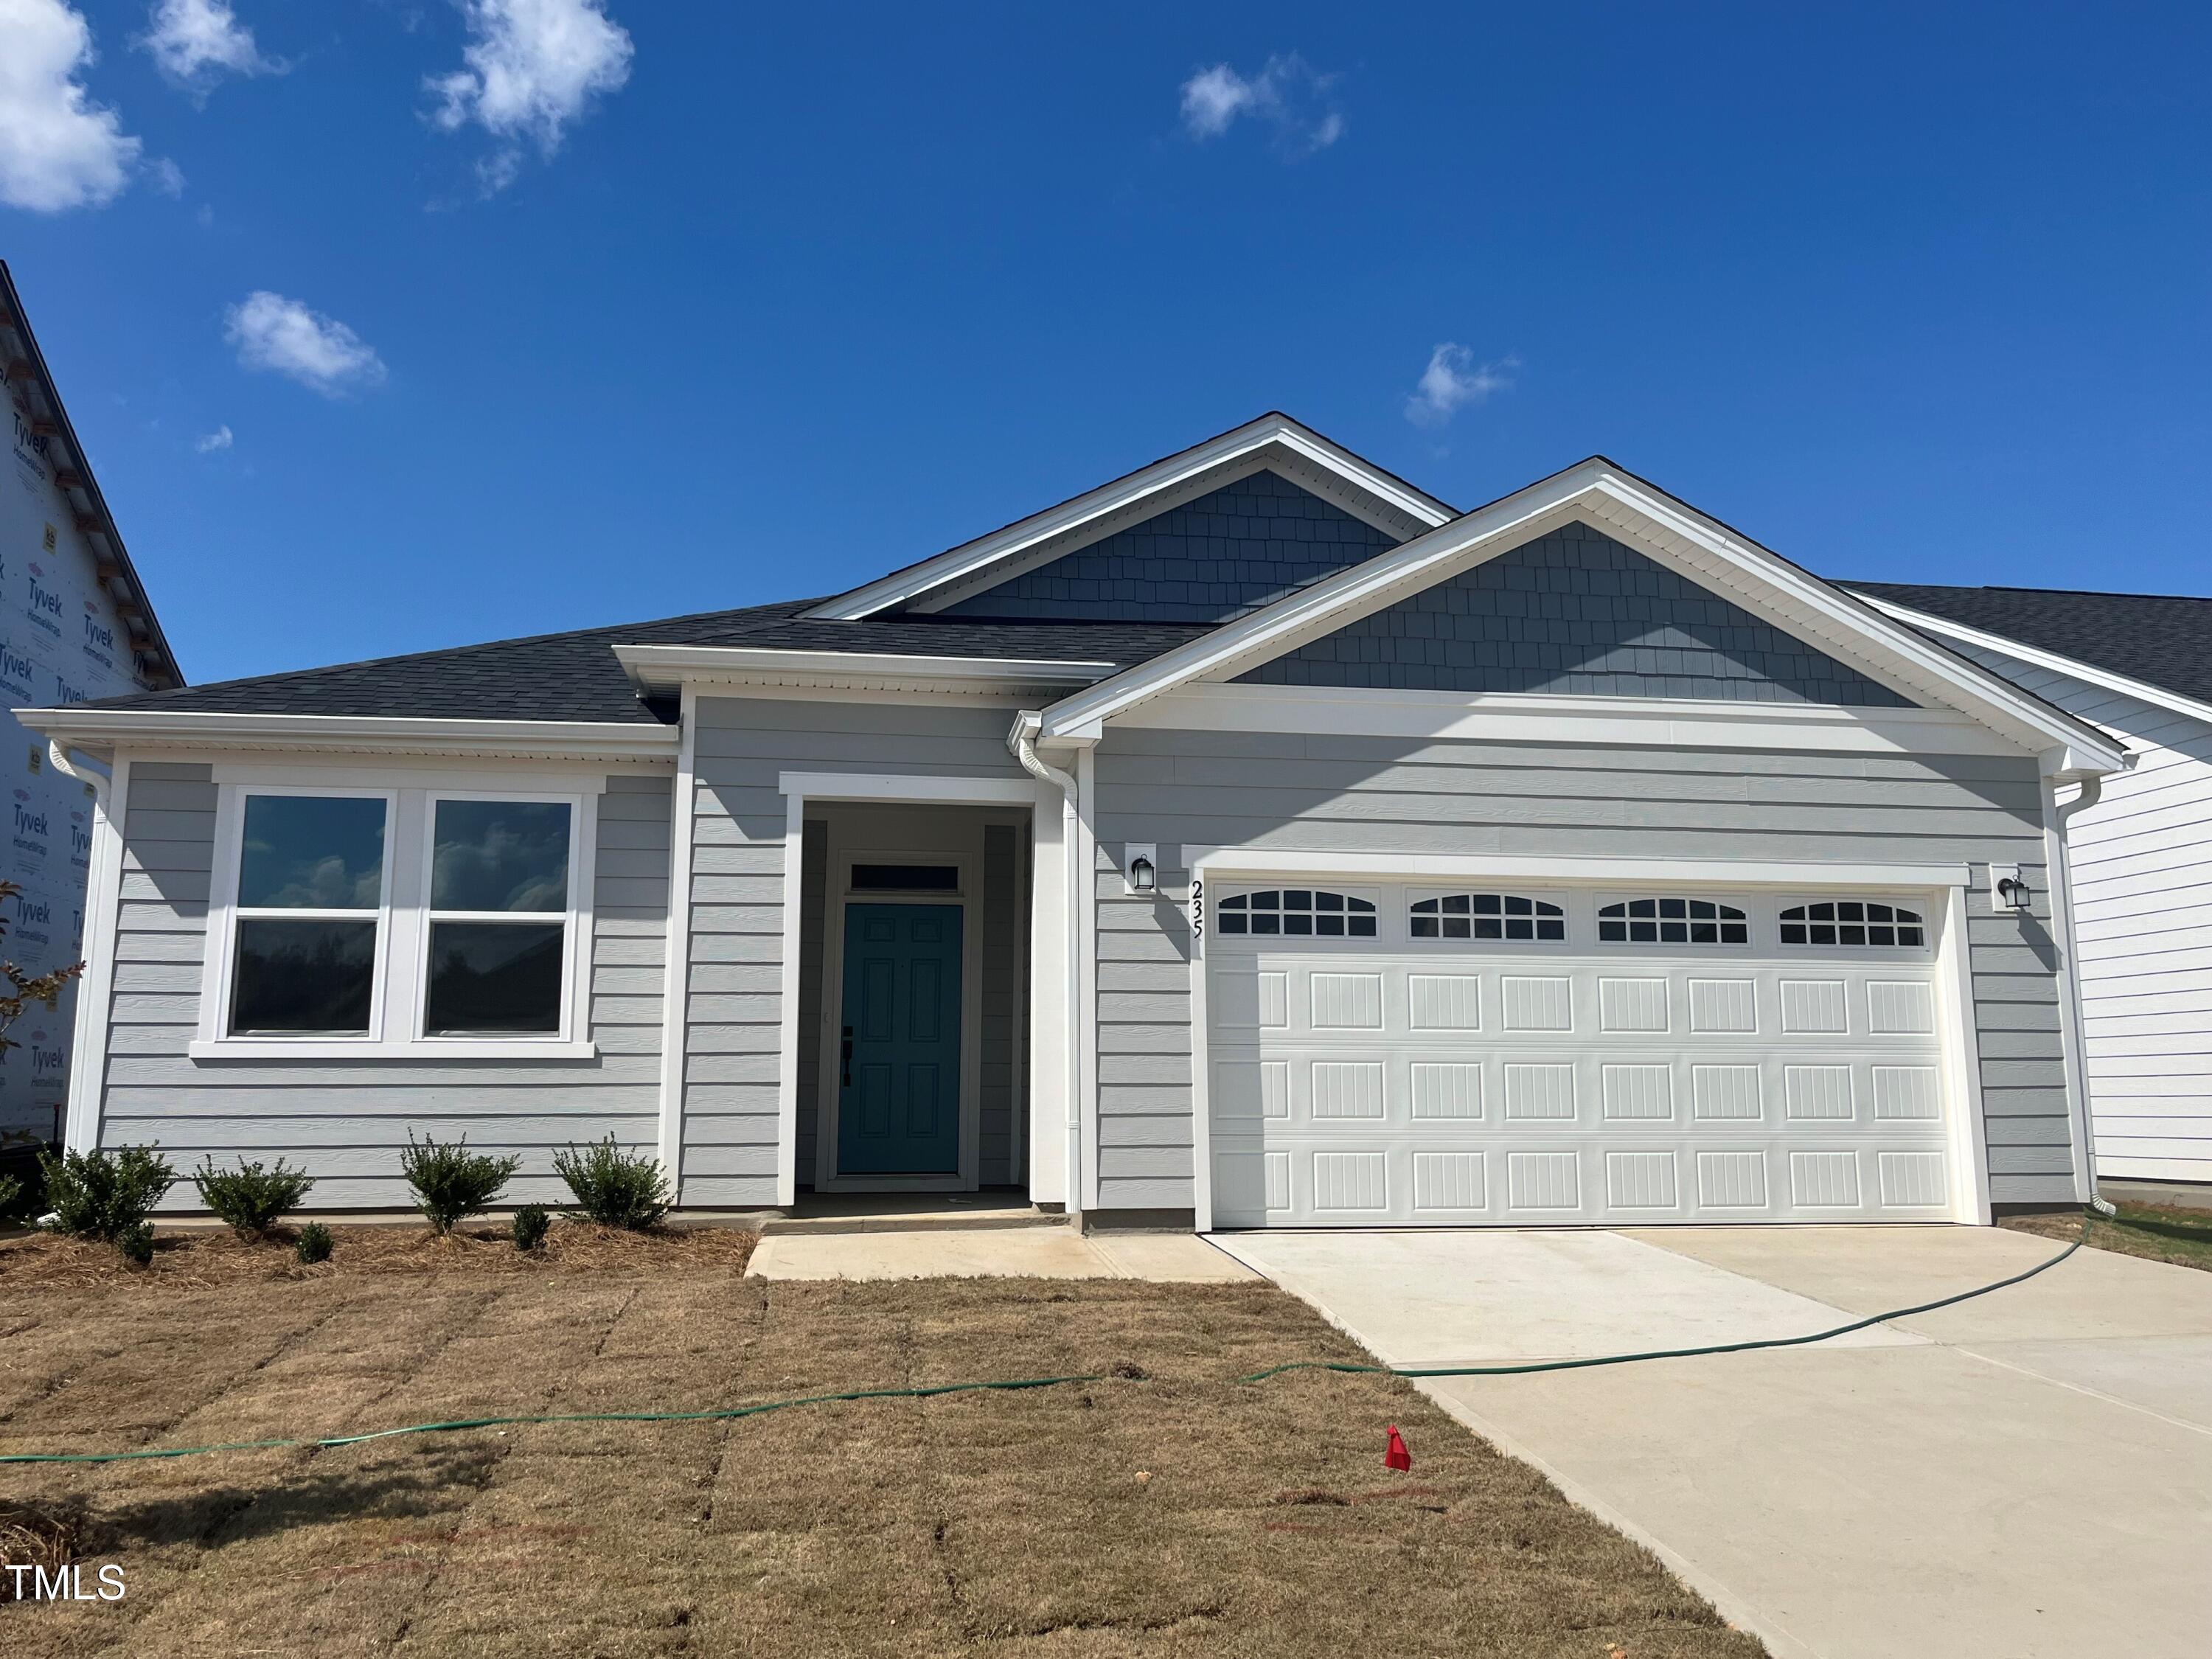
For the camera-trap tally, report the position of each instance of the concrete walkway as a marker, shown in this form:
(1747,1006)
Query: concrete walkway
(1053,1252)
(2028,1473)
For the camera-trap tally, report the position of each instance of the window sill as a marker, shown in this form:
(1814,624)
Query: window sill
(427,1050)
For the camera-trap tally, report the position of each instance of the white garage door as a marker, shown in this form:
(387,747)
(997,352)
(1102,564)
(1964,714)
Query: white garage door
(1394,1056)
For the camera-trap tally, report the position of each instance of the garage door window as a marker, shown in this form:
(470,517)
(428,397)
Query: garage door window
(1852,922)
(1672,921)
(1487,915)
(1302,912)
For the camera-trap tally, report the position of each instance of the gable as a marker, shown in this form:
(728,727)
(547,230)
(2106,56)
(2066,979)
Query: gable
(1227,552)
(1577,613)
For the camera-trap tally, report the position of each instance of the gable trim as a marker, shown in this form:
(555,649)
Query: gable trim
(1306,457)
(1616,503)
(669,667)
(2072,667)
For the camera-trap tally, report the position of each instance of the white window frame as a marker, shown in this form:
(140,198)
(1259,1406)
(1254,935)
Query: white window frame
(403,941)
(1745,905)
(1929,925)
(1371,896)
(1564,902)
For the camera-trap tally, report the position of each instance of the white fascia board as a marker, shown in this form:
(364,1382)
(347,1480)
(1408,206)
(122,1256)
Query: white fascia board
(355,733)
(669,667)
(1599,493)
(1270,432)
(1789,874)
(2072,667)
(1534,717)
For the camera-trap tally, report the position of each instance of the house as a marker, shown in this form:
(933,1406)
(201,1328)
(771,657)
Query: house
(1253,840)
(75,625)
(2139,855)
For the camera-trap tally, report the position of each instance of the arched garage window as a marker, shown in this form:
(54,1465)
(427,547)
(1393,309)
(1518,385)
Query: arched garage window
(1487,915)
(1672,921)
(1301,911)
(1852,922)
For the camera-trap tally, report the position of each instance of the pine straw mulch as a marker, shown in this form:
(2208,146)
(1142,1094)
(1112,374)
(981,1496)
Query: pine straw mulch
(207,1259)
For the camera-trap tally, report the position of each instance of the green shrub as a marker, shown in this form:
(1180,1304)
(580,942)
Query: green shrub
(613,1187)
(451,1181)
(250,1197)
(11,1195)
(137,1243)
(313,1244)
(530,1224)
(100,1194)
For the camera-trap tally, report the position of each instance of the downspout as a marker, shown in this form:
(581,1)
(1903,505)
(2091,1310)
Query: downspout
(2092,787)
(1022,739)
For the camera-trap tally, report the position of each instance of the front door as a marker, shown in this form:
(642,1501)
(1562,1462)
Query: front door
(898,1099)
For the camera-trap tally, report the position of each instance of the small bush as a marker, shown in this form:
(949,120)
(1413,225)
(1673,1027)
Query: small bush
(102,1193)
(137,1243)
(451,1181)
(313,1244)
(250,1197)
(613,1187)
(530,1224)
(11,1195)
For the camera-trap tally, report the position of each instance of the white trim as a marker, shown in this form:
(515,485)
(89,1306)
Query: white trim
(1270,436)
(1052,1087)
(1962,1059)
(417,1050)
(1238,862)
(1599,494)
(1086,975)
(676,971)
(2072,667)
(355,734)
(787,1032)
(935,791)
(571,778)
(1529,717)
(666,668)
(2080,1121)
(88,1090)
(1201,1058)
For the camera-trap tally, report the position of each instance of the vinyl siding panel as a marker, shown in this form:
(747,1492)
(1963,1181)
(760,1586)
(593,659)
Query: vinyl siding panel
(1317,793)
(732,1019)
(2141,870)
(344,1122)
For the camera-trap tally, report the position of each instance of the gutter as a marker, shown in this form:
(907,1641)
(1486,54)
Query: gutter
(2091,789)
(1022,741)
(83,725)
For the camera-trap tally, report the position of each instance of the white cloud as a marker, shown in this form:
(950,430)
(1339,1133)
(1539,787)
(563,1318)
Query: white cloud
(168,177)
(218,439)
(1287,94)
(58,150)
(533,68)
(1453,380)
(273,332)
(195,42)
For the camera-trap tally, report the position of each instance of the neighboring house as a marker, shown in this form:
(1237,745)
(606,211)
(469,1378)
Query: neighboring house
(75,624)
(2139,666)
(1253,840)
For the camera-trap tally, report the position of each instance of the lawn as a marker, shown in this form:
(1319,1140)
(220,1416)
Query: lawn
(2163,1232)
(1166,1508)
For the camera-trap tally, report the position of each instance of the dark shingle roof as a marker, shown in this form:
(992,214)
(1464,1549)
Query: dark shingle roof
(574,677)
(2162,639)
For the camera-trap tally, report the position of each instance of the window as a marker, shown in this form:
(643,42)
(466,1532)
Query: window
(499,921)
(398,920)
(309,910)
(1487,915)
(1672,921)
(1854,921)
(1297,911)
(906,878)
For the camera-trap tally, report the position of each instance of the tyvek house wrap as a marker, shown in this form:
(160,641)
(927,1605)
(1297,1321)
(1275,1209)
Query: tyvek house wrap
(60,642)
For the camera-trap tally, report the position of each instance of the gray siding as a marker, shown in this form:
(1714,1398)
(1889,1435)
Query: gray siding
(344,1122)
(1575,612)
(1230,551)
(732,1026)
(1322,793)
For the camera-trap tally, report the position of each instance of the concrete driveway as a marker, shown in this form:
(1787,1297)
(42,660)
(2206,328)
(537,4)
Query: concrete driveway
(2026,1473)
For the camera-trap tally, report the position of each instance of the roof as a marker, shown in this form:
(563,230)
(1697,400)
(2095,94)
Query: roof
(575,675)
(27,365)
(2163,639)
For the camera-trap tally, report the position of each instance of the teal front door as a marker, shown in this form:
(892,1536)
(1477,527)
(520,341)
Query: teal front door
(898,1096)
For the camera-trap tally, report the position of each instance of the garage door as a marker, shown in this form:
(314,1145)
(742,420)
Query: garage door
(1398,1054)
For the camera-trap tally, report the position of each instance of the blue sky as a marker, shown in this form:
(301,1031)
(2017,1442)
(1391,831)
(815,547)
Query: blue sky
(580,312)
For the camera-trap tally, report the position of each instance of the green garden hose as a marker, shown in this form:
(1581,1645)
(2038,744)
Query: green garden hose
(760,1408)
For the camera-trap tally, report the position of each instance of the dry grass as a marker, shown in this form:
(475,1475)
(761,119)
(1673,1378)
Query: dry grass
(1165,1509)
(2161,1232)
